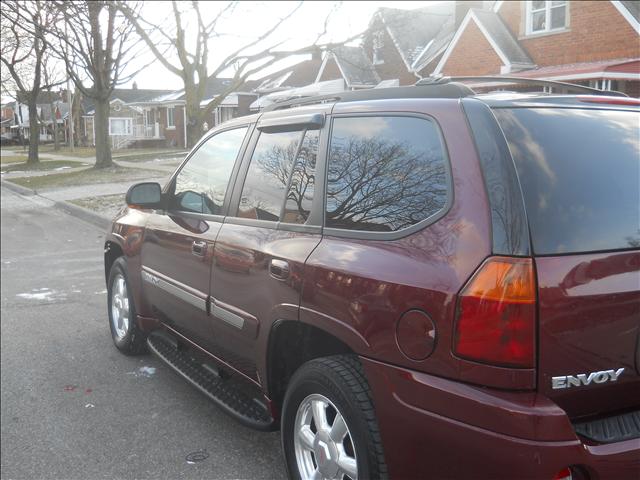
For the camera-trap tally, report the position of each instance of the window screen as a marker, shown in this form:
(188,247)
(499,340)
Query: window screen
(202,183)
(385,173)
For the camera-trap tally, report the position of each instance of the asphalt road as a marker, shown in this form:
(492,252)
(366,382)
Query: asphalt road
(72,406)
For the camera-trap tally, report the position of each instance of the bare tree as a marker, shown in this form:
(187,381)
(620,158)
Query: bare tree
(25,56)
(95,42)
(171,41)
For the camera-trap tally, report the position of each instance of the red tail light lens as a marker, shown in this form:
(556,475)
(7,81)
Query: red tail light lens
(495,318)
(564,474)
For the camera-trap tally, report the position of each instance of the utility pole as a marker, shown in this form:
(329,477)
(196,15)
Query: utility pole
(69,100)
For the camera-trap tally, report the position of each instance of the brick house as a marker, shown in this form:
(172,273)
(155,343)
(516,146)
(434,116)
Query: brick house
(150,117)
(52,111)
(398,47)
(593,43)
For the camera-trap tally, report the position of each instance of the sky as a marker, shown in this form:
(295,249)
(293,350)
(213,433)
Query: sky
(252,18)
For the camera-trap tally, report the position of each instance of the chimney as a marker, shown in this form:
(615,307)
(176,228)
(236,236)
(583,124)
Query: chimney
(135,85)
(461,8)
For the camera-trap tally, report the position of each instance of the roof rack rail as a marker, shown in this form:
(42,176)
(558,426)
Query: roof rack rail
(444,90)
(441,80)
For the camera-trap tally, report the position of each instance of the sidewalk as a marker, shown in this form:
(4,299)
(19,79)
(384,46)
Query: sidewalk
(98,197)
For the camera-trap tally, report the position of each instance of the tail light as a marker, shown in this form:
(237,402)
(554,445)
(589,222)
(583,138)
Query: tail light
(564,474)
(495,317)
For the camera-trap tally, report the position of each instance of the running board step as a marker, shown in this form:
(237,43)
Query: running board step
(611,429)
(223,392)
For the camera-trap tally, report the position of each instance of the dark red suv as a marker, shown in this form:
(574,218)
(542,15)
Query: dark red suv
(419,282)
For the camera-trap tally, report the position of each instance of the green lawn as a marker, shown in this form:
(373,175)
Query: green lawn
(88,176)
(77,151)
(146,154)
(43,165)
(12,158)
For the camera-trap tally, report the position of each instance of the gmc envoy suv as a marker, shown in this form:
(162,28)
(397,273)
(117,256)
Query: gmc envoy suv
(415,282)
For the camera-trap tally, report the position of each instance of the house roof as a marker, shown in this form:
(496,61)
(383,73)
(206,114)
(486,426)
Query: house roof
(43,97)
(137,95)
(298,75)
(355,66)
(215,86)
(630,11)
(633,7)
(413,30)
(436,46)
(497,34)
(501,35)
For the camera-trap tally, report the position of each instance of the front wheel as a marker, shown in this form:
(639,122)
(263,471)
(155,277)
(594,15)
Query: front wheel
(329,429)
(122,313)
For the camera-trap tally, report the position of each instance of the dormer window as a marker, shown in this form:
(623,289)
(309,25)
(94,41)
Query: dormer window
(546,16)
(378,44)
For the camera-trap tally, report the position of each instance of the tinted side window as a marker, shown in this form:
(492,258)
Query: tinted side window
(268,176)
(202,183)
(385,173)
(579,172)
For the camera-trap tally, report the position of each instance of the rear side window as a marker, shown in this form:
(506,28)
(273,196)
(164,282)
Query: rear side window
(580,176)
(281,169)
(385,173)
(202,183)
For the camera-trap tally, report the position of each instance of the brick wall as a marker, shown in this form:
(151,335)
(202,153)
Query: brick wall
(596,31)
(331,71)
(174,136)
(632,89)
(472,55)
(430,67)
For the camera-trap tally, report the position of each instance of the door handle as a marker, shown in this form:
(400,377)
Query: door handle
(199,248)
(279,269)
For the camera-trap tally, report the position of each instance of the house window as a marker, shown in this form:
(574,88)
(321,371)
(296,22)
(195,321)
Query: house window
(171,122)
(378,45)
(546,16)
(119,126)
(151,117)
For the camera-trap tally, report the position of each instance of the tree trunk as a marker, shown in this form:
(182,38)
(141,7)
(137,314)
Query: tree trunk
(194,117)
(102,140)
(34,132)
(194,129)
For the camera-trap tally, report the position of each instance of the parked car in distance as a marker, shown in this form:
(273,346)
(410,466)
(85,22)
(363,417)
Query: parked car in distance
(417,282)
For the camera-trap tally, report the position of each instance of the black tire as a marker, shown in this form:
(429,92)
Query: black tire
(341,380)
(133,341)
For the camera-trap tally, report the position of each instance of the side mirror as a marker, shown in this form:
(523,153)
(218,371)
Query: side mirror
(145,195)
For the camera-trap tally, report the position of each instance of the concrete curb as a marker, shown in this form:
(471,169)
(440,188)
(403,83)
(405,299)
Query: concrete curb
(83,214)
(18,188)
(67,207)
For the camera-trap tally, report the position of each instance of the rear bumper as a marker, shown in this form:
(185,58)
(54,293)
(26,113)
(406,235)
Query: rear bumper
(437,428)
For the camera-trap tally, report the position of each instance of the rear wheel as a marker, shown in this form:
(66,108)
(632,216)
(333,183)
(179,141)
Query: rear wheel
(126,335)
(329,429)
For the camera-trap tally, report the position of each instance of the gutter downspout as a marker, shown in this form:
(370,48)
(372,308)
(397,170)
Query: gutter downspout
(184,117)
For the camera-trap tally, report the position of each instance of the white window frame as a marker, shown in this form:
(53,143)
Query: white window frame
(548,6)
(171,119)
(128,128)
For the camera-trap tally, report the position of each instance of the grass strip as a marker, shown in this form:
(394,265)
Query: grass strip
(88,176)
